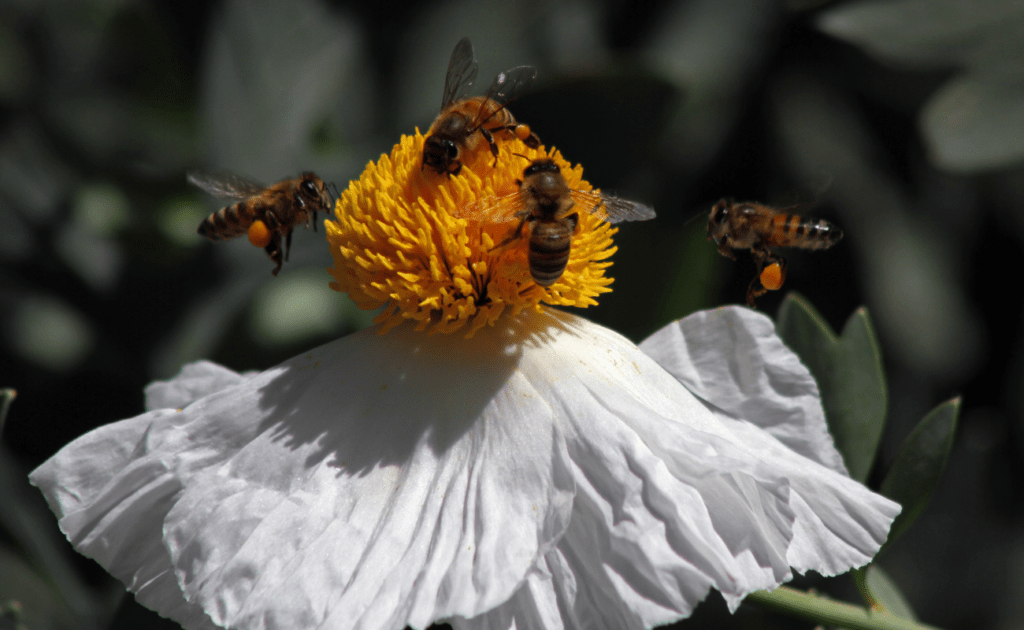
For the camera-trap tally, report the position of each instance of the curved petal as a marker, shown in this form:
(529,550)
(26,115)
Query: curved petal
(731,358)
(671,500)
(117,522)
(381,481)
(195,381)
(377,482)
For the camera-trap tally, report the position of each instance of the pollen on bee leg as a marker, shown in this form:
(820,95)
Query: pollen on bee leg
(522,131)
(259,234)
(772,278)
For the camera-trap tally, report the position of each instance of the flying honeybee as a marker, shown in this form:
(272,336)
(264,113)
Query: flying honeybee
(758,227)
(545,202)
(464,122)
(266,213)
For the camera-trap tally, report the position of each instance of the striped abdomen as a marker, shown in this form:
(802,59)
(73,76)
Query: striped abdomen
(549,250)
(229,222)
(790,230)
(490,112)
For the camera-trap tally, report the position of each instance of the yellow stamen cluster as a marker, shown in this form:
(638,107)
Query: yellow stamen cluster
(397,244)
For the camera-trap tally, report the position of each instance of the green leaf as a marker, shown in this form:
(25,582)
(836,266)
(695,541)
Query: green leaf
(919,464)
(972,123)
(881,593)
(848,369)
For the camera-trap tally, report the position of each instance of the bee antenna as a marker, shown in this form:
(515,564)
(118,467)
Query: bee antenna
(522,156)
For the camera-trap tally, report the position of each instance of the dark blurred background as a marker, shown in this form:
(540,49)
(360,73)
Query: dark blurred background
(903,122)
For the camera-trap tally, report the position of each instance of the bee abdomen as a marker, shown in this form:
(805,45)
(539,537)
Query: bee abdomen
(228,222)
(796,231)
(548,259)
(500,118)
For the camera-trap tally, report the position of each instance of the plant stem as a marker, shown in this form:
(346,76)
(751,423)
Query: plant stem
(830,612)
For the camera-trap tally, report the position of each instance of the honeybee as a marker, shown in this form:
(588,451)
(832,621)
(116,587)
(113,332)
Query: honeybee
(758,227)
(266,213)
(464,121)
(545,202)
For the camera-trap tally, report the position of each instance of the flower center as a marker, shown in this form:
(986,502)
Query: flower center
(399,241)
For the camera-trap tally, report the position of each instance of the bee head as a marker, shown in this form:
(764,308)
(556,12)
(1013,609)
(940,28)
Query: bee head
(440,153)
(309,185)
(543,165)
(719,219)
(545,183)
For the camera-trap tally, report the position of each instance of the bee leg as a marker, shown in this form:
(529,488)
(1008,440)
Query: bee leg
(494,145)
(573,220)
(725,250)
(532,140)
(273,250)
(515,235)
(755,290)
(764,256)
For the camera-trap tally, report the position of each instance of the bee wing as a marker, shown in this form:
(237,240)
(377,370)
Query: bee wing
(510,84)
(611,209)
(225,185)
(494,209)
(507,87)
(461,73)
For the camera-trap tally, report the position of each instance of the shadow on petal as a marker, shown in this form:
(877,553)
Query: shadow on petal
(367,400)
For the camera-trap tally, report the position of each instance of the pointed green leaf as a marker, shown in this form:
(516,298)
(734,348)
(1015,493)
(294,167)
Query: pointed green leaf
(859,397)
(919,464)
(807,334)
(848,370)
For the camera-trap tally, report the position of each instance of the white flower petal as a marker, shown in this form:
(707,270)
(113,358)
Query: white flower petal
(121,532)
(380,481)
(377,481)
(732,358)
(195,381)
(671,500)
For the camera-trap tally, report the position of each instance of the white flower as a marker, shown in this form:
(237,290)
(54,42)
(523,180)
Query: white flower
(545,473)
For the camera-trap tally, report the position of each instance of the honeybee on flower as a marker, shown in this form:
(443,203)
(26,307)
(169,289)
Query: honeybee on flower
(540,471)
(550,210)
(464,121)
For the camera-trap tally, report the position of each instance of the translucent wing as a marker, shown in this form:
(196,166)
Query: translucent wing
(494,209)
(507,87)
(611,209)
(461,73)
(225,185)
(510,84)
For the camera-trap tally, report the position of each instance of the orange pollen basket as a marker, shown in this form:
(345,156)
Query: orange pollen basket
(771,277)
(259,234)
